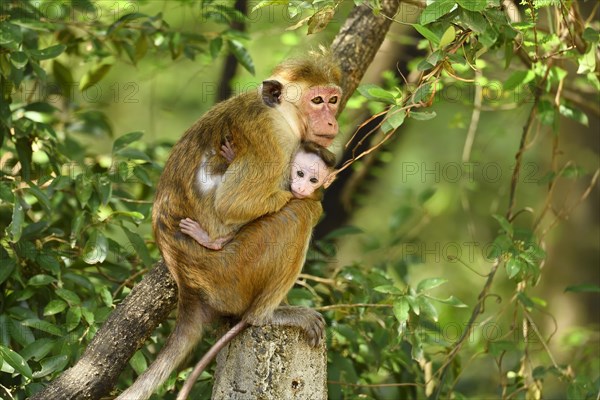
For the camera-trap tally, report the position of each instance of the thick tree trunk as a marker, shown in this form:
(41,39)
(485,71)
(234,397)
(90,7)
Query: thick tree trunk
(271,363)
(155,296)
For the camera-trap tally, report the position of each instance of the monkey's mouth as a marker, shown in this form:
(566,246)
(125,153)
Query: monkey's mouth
(298,195)
(330,137)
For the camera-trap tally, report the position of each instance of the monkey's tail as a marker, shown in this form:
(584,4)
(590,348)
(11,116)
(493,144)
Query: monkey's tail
(183,339)
(208,357)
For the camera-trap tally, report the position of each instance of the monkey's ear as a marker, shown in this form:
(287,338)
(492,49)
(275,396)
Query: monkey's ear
(271,92)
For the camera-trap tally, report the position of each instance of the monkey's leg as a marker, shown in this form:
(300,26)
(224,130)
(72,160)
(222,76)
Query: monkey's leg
(187,333)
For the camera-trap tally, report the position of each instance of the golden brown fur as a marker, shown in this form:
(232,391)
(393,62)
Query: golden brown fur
(251,275)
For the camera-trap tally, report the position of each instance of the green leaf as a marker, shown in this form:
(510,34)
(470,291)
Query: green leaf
(93,76)
(583,288)
(473,5)
(525,300)
(88,316)
(401,308)
(504,224)
(590,35)
(50,365)
(48,52)
(448,37)
(138,362)
(103,187)
(394,118)
(106,296)
(40,280)
(427,308)
(422,115)
(422,94)
(40,196)
(83,189)
(430,283)
(436,10)
(140,173)
(451,301)
(242,55)
(215,47)
(73,318)
(96,248)
(54,307)
(38,349)
(8,266)
(414,304)
(23,147)
(125,140)
(19,59)
(376,93)
(513,267)
(69,296)
(19,333)
(427,34)
(13,359)
(501,244)
(139,246)
(574,114)
(16,225)
(343,231)
(10,34)
(132,154)
(388,289)
(48,262)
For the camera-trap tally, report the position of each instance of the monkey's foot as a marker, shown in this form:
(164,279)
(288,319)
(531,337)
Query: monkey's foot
(310,321)
(195,231)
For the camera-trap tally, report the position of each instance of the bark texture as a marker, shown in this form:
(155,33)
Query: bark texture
(271,363)
(125,331)
(151,301)
(359,40)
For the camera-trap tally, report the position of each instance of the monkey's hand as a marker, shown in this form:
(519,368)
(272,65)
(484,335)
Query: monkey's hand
(195,231)
(307,319)
(227,151)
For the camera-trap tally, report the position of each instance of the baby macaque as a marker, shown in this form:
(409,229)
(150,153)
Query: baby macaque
(309,170)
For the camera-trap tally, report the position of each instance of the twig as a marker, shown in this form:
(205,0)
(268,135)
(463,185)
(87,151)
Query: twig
(477,310)
(357,305)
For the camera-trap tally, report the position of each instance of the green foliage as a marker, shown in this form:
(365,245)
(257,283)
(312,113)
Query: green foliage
(75,220)
(75,216)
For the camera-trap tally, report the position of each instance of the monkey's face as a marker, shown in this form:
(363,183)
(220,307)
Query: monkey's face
(320,104)
(308,173)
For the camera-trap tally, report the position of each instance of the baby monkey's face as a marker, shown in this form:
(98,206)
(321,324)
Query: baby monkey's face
(308,173)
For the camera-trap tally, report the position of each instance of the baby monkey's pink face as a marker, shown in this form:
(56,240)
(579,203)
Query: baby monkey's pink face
(308,173)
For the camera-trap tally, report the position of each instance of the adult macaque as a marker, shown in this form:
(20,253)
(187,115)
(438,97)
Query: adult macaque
(249,278)
(310,167)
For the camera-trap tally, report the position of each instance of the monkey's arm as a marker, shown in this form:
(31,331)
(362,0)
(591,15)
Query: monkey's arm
(193,229)
(251,187)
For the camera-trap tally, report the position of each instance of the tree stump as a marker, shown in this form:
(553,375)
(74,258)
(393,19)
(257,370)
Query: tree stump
(271,363)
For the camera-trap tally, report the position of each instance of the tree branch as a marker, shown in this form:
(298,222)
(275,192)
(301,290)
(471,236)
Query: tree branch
(151,301)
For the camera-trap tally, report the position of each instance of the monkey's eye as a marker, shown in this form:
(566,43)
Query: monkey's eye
(300,174)
(317,100)
(314,180)
(333,100)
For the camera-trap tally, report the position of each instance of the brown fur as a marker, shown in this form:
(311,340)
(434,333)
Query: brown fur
(251,275)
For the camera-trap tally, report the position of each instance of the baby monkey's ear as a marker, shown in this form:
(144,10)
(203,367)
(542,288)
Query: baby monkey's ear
(271,92)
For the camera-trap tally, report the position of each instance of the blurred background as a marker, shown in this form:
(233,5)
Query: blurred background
(419,207)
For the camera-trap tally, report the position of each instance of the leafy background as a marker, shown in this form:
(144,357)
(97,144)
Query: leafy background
(461,258)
